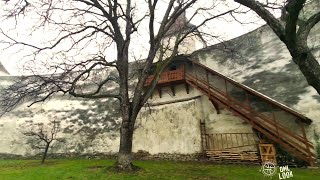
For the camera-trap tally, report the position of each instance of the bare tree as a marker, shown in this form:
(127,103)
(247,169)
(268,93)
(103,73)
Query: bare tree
(293,33)
(73,67)
(41,136)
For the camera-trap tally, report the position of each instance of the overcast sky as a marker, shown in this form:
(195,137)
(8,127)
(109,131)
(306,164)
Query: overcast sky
(226,28)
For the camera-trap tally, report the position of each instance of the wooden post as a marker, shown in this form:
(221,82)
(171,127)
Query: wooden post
(217,138)
(203,134)
(196,72)
(237,139)
(225,84)
(242,139)
(231,140)
(226,137)
(160,92)
(274,120)
(183,68)
(212,139)
(247,99)
(221,142)
(208,86)
(311,162)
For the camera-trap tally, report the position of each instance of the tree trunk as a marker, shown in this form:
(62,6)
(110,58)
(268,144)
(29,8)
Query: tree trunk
(310,68)
(124,162)
(45,153)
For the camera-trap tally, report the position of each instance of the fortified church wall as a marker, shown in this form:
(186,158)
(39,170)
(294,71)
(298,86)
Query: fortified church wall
(171,124)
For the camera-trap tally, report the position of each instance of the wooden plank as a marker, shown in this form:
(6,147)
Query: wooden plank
(221,142)
(233,156)
(226,137)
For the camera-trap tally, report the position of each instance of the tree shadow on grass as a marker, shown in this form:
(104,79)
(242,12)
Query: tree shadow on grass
(115,169)
(95,168)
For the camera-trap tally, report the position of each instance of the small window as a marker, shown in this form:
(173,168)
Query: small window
(151,71)
(173,67)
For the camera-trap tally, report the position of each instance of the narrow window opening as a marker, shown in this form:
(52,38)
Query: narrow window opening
(173,67)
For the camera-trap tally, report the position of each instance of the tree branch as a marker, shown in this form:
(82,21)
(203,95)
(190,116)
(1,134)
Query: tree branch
(305,28)
(273,22)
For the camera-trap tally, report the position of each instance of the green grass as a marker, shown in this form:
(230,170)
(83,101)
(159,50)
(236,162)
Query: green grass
(98,169)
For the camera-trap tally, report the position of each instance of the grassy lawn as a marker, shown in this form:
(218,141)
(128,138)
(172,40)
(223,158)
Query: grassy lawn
(97,169)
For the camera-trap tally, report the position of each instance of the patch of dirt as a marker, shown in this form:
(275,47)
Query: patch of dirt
(95,168)
(117,169)
(38,163)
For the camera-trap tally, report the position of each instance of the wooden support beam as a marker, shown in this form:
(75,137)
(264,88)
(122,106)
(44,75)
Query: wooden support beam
(216,106)
(173,90)
(160,92)
(187,87)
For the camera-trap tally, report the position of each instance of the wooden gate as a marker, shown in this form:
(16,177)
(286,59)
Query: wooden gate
(232,147)
(268,153)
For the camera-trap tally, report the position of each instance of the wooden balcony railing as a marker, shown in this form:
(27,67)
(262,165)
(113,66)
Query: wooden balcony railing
(261,114)
(168,77)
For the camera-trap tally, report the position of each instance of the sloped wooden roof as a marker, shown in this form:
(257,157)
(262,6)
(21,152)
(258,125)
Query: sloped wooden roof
(3,70)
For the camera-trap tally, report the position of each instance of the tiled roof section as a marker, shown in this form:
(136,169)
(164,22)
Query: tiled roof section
(3,71)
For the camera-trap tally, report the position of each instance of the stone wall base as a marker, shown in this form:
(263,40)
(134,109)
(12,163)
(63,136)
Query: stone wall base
(140,155)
